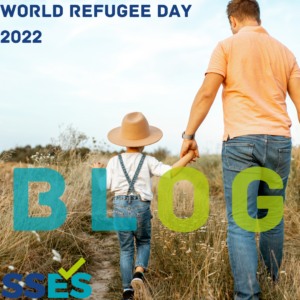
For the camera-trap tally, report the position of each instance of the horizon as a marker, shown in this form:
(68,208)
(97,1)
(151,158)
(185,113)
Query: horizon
(92,72)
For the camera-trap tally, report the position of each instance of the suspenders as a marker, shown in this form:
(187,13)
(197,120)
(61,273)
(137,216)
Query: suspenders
(131,183)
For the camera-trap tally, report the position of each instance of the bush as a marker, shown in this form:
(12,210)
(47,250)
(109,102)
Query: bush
(160,153)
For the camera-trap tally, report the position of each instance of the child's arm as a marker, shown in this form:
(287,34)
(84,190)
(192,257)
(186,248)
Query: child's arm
(102,185)
(185,160)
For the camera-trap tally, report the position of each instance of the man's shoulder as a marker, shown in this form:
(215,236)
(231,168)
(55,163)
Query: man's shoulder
(280,44)
(232,40)
(228,40)
(226,43)
(243,38)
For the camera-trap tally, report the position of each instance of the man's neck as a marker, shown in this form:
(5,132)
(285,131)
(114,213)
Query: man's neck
(252,23)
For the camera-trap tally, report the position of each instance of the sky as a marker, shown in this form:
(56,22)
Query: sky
(91,72)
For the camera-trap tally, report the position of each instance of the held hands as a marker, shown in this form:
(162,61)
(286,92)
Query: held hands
(183,161)
(189,145)
(191,156)
(97,165)
(191,153)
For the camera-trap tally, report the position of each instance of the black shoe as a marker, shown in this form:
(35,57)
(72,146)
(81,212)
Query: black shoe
(140,290)
(128,295)
(138,276)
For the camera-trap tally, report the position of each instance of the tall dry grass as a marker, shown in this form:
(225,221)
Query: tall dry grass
(196,265)
(182,265)
(27,252)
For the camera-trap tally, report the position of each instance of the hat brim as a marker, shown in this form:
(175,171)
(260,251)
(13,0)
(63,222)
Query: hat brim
(114,136)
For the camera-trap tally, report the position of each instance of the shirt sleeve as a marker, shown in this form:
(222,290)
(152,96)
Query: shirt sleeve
(295,73)
(157,168)
(218,62)
(109,175)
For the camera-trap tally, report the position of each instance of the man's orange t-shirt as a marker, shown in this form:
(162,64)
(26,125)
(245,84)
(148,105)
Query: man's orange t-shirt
(257,69)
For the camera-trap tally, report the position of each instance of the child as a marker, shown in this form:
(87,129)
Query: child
(129,176)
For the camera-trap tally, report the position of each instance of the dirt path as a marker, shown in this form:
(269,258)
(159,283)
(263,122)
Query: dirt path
(100,280)
(102,272)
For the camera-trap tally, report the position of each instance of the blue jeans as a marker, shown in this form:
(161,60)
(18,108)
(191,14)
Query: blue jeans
(272,152)
(133,207)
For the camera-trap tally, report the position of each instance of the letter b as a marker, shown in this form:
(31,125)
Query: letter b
(22,221)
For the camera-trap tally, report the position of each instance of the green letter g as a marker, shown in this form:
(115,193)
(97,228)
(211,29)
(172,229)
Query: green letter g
(274,204)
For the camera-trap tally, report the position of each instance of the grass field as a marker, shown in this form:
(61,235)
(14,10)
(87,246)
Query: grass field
(196,265)
(182,265)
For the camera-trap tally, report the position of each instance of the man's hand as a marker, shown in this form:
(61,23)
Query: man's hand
(97,165)
(189,145)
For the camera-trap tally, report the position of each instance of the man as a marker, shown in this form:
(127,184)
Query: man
(256,72)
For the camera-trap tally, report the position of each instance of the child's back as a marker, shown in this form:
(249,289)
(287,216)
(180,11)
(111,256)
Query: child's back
(129,177)
(116,179)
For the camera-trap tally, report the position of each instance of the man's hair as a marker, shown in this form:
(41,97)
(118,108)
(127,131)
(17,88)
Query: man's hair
(243,9)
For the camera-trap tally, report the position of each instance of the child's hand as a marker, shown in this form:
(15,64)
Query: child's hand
(192,154)
(97,165)
(187,158)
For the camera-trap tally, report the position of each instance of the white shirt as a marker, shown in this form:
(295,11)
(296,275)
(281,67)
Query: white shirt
(116,180)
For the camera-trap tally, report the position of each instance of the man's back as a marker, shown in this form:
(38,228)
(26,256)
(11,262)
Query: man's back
(256,72)
(257,69)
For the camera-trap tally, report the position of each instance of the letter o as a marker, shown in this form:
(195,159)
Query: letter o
(201,199)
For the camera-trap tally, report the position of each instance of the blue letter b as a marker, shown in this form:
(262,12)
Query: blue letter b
(22,221)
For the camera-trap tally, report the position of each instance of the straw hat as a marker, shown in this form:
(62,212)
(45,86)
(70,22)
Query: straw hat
(135,132)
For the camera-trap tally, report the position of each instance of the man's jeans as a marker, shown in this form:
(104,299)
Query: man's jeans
(272,152)
(133,207)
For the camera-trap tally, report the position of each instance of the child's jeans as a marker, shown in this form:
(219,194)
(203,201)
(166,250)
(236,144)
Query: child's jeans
(133,207)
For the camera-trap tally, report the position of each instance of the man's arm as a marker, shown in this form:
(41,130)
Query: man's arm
(294,92)
(200,108)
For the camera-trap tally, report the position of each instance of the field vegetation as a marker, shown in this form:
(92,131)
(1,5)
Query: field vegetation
(191,265)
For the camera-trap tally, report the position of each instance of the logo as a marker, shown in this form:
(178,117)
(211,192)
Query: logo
(100,221)
(30,282)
